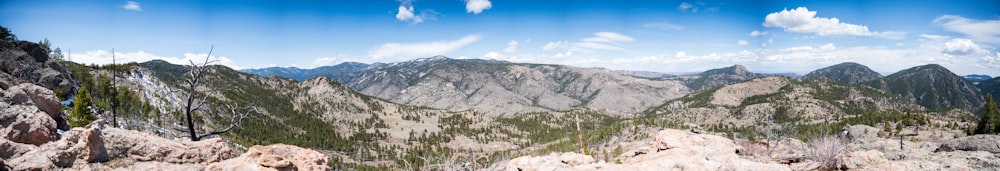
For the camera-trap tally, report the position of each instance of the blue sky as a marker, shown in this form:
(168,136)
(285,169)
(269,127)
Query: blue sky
(663,36)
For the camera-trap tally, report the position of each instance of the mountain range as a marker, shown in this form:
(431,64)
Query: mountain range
(505,88)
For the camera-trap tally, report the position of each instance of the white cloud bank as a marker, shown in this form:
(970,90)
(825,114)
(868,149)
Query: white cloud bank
(132,5)
(102,57)
(419,50)
(801,20)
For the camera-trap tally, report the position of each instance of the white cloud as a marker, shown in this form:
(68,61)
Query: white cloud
(742,42)
(511,47)
(663,26)
(132,5)
(680,54)
(991,62)
(756,33)
(980,30)
(560,45)
(416,50)
(324,61)
(406,13)
(962,47)
(686,6)
(828,46)
(477,6)
(102,57)
(801,20)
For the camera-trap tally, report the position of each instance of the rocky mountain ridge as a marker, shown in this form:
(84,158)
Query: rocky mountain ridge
(502,88)
(931,86)
(845,73)
(300,74)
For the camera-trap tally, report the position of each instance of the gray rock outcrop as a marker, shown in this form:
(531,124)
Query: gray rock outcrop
(27,62)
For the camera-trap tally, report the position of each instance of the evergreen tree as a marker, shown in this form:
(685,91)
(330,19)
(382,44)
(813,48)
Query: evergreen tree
(81,115)
(989,122)
(5,34)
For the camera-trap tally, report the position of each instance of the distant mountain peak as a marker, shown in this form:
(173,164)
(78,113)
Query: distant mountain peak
(429,59)
(735,69)
(845,73)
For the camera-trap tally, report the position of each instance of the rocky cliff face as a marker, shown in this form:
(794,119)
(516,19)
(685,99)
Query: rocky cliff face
(931,86)
(849,73)
(502,88)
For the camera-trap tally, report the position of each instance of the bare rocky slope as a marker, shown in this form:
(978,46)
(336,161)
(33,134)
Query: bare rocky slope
(501,88)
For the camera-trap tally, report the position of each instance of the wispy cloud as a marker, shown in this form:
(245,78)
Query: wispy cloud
(801,20)
(477,6)
(511,47)
(742,42)
(132,5)
(416,50)
(696,7)
(756,33)
(663,26)
(980,30)
(602,41)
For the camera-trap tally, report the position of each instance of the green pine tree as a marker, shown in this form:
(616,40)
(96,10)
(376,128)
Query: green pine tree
(989,122)
(81,116)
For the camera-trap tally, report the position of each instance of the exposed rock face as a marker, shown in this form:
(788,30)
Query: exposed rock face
(845,73)
(95,146)
(669,150)
(503,88)
(931,86)
(275,157)
(990,143)
(28,114)
(27,62)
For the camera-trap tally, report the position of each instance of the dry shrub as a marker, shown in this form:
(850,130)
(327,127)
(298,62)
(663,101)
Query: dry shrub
(751,149)
(826,151)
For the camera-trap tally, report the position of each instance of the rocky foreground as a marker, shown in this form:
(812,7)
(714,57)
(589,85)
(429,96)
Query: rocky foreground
(29,140)
(682,150)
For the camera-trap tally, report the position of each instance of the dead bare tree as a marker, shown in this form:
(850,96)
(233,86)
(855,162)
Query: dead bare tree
(196,101)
